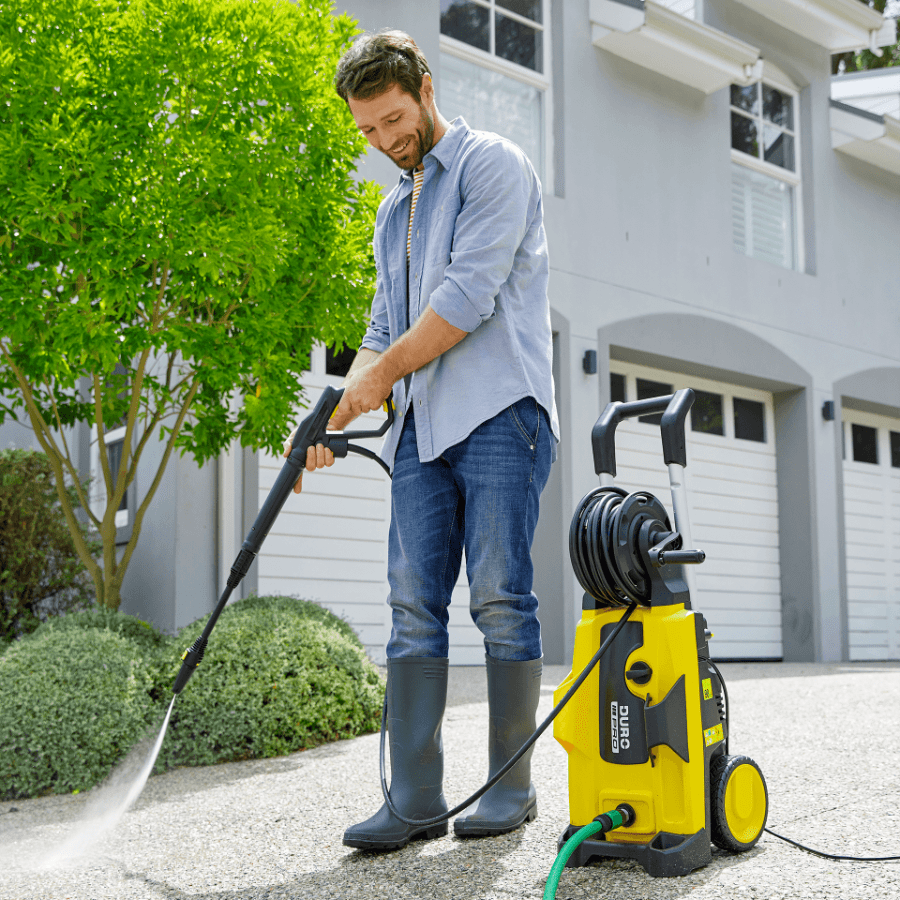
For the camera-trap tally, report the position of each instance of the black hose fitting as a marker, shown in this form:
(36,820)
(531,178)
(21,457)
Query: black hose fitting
(192,658)
(240,567)
(625,815)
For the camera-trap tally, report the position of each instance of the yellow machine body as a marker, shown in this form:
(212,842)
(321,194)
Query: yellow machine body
(642,729)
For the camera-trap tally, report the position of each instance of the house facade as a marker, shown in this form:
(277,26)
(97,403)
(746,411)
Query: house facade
(721,214)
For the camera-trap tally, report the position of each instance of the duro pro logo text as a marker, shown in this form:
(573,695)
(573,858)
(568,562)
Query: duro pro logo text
(618,718)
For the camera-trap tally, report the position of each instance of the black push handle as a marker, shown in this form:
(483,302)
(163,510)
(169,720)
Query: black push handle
(674,408)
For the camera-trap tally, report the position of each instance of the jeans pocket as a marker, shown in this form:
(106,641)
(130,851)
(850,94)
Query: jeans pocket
(527,416)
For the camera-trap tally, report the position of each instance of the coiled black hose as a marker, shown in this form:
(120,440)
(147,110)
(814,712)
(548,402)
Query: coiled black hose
(608,530)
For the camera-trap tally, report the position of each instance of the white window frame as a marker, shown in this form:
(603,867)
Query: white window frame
(538,80)
(883,426)
(98,485)
(775,78)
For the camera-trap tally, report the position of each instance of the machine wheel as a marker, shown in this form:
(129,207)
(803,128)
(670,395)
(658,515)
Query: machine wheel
(739,802)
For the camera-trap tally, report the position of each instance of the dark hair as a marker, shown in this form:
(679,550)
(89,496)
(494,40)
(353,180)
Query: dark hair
(376,62)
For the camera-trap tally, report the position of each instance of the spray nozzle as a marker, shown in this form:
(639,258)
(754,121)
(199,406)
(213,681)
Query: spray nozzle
(191,658)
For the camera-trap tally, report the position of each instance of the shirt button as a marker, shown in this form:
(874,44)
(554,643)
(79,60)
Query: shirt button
(420,403)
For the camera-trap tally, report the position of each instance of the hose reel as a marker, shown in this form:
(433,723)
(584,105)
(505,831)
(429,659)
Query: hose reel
(617,539)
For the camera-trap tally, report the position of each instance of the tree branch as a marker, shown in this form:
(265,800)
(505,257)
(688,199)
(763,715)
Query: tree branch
(151,491)
(45,438)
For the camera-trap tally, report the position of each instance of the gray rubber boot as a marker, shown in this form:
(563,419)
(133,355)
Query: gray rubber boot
(514,689)
(417,694)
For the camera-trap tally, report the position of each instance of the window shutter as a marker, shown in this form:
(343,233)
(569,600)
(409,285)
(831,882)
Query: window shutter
(762,216)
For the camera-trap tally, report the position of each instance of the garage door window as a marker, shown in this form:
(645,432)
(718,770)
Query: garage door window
(706,413)
(895,449)
(865,444)
(647,389)
(617,387)
(749,420)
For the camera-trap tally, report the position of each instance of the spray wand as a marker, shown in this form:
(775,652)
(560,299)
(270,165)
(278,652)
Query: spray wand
(311,431)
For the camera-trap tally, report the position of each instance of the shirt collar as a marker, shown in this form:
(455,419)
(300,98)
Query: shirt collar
(444,151)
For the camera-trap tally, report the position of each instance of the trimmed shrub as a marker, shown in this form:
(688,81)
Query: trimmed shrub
(306,609)
(40,572)
(143,634)
(72,703)
(279,675)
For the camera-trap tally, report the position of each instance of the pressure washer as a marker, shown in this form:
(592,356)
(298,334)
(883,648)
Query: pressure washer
(651,776)
(650,730)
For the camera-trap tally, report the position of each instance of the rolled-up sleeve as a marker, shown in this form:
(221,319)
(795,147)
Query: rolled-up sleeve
(499,195)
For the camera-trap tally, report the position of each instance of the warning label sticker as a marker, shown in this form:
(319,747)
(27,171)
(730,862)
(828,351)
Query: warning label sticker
(713,735)
(707,689)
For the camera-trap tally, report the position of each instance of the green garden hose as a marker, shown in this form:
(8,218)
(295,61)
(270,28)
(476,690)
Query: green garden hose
(616,818)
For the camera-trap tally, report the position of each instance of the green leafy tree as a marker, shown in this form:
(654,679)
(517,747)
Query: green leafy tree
(866,59)
(179,223)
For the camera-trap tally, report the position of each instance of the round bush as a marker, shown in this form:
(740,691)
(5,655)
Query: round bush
(278,675)
(141,633)
(72,703)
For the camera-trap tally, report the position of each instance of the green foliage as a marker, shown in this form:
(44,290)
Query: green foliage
(179,223)
(866,59)
(175,176)
(277,676)
(40,572)
(280,674)
(147,638)
(72,703)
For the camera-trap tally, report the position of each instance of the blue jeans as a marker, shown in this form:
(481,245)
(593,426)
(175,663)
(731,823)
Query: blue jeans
(481,495)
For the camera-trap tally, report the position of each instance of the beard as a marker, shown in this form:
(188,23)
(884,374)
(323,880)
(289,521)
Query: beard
(418,144)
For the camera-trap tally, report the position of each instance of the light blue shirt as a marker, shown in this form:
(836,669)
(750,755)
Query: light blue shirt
(478,256)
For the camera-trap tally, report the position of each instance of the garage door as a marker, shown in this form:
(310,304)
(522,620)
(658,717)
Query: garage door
(732,499)
(872,534)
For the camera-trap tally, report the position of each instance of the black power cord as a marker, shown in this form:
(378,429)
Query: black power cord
(774,834)
(787,840)
(519,754)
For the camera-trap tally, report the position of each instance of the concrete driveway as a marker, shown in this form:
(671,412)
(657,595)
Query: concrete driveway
(826,737)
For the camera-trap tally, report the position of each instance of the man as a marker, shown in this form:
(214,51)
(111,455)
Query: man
(460,333)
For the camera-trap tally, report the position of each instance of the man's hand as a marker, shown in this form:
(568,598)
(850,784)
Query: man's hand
(365,389)
(316,458)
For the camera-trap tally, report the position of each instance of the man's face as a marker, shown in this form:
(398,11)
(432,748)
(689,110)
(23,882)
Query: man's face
(396,125)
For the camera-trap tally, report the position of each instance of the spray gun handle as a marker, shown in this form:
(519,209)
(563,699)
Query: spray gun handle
(311,431)
(674,408)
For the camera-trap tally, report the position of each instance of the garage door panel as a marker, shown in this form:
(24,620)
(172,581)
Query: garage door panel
(737,644)
(732,497)
(733,535)
(719,553)
(736,506)
(725,623)
(863,653)
(740,567)
(744,521)
(760,588)
(867,579)
(723,468)
(871,504)
(867,611)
